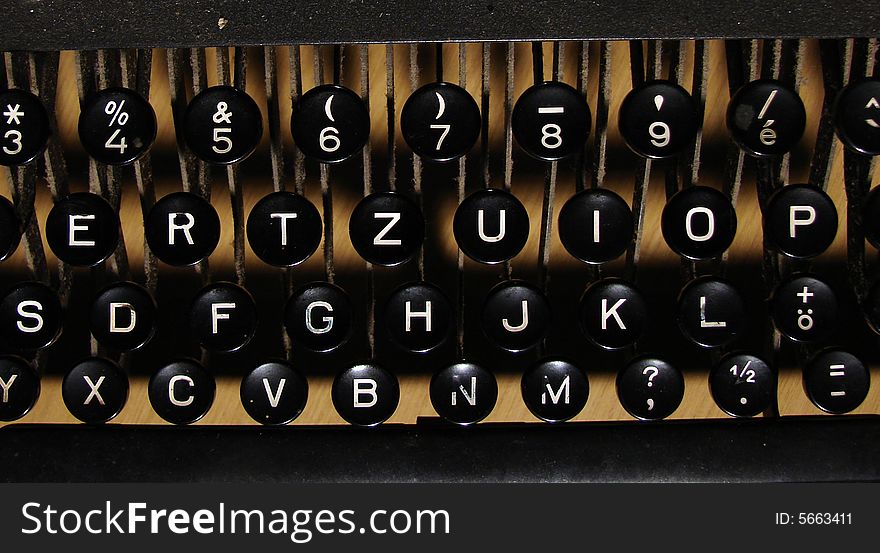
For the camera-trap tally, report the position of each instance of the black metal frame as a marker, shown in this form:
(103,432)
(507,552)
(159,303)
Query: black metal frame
(85,24)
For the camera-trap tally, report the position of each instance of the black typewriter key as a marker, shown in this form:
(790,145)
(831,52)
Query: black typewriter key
(318,317)
(800,220)
(330,123)
(418,317)
(284,229)
(30,317)
(123,316)
(182,391)
(274,393)
(742,385)
(386,228)
(365,395)
(82,229)
(551,121)
(491,226)
(24,127)
(516,316)
(836,381)
(182,229)
(766,118)
(19,387)
(464,393)
(699,222)
(870,218)
(223,317)
(555,390)
(222,125)
(804,309)
(95,390)
(10,229)
(857,116)
(650,388)
(658,119)
(117,126)
(711,312)
(595,225)
(613,313)
(440,121)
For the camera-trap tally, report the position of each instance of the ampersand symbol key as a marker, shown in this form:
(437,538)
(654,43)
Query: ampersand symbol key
(222,125)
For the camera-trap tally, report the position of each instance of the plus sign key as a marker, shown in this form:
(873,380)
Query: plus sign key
(117,126)
(24,127)
(222,125)
(804,309)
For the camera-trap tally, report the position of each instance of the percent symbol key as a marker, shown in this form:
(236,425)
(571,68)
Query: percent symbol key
(117,126)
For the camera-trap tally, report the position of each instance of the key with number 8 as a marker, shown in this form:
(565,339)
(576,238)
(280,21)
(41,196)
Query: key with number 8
(551,121)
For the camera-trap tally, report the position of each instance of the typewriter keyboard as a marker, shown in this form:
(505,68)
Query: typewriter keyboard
(601,230)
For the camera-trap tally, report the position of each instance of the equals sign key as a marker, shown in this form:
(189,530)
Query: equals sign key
(837,371)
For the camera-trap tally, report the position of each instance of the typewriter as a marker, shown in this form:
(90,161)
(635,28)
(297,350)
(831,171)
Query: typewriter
(464,241)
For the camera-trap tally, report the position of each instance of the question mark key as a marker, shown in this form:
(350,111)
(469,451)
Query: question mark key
(650,388)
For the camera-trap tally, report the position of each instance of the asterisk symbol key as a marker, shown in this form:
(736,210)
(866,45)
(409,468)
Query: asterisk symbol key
(13,114)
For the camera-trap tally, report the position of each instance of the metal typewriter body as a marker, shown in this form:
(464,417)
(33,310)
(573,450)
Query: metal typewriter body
(277,51)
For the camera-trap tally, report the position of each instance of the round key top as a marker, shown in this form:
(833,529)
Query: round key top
(182,229)
(711,312)
(804,309)
(551,121)
(95,390)
(516,316)
(123,316)
(30,317)
(836,381)
(595,225)
(117,126)
(24,127)
(418,317)
(800,220)
(222,125)
(10,229)
(699,223)
(491,226)
(463,393)
(284,229)
(613,313)
(766,118)
(658,119)
(318,317)
(19,387)
(366,394)
(330,123)
(223,317)
(386,228)
(555,390)
(82,229)
(742,385)
(857,116)
(650,388)
(440,121)
(182,391)
(274,393)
